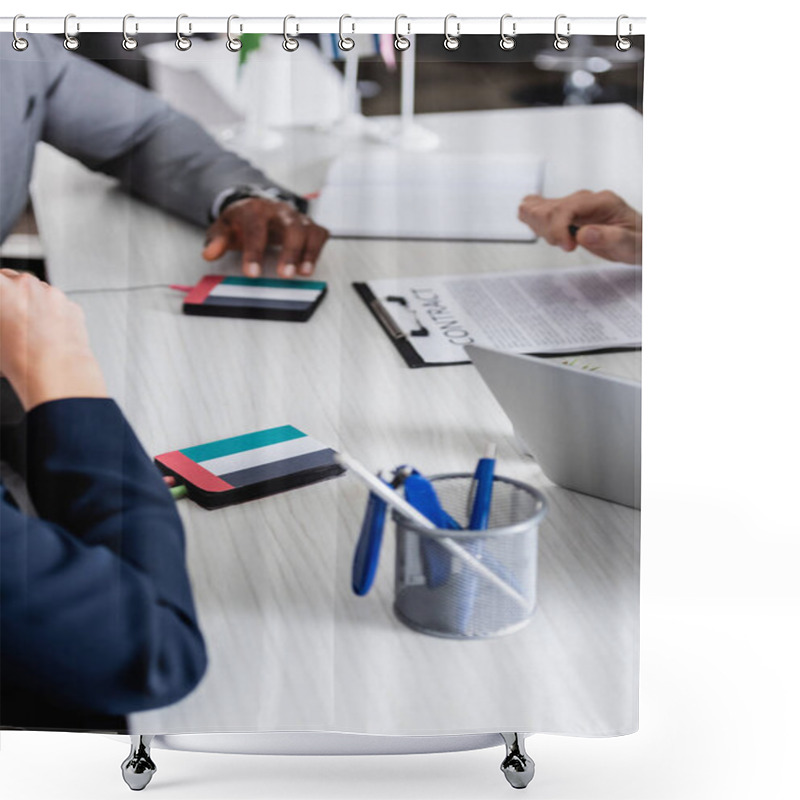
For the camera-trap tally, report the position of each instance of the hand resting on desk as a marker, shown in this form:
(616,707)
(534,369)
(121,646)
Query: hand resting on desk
(253,223)
(602,222)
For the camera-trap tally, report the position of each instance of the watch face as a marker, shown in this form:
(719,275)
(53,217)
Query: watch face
(273,193)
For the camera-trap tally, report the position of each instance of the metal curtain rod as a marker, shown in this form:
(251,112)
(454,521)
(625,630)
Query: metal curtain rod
(515,26)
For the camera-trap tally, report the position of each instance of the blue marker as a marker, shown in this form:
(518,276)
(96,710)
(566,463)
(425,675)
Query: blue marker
(481,499)
(482,484)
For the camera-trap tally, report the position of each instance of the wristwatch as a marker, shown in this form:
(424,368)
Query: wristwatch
(225,198)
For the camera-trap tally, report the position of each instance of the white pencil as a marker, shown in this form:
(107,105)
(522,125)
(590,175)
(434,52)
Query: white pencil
(406,509)
(378,487)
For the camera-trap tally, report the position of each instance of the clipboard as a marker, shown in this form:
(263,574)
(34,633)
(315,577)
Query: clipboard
(397,336)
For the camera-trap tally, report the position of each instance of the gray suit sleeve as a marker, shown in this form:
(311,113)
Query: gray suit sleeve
(114,126)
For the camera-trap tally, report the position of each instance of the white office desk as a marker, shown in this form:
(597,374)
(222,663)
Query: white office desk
(290,646)
(589,147)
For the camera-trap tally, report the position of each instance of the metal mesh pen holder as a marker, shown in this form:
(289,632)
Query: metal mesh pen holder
(470,584)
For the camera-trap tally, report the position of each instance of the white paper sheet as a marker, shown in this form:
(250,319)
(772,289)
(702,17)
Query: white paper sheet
(428,195)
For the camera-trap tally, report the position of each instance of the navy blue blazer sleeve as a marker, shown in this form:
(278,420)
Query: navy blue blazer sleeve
(96,608)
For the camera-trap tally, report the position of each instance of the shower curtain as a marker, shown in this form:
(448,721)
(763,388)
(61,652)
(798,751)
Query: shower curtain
(418,163)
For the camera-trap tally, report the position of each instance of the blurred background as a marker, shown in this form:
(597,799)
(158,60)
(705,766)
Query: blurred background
(479,75)
(251,100)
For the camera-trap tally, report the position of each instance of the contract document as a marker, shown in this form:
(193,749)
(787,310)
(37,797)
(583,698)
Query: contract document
(431,318)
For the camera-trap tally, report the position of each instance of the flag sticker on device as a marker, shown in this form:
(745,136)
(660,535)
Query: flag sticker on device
(254,298)
(252,465)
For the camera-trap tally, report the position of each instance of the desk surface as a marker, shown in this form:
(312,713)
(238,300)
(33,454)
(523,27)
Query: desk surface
(291,648)
(584,147)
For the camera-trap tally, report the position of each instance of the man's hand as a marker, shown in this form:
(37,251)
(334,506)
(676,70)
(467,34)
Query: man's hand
(253,223)
(602,222)
(44,347)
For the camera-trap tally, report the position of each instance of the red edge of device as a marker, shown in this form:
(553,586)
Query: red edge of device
(199,293)
(190,470)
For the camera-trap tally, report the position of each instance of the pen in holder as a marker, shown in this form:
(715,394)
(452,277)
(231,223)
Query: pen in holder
(466,604)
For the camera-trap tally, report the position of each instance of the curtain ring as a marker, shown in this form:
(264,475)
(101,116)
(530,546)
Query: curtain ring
(71,43)
(128,42)
(507,42)
(18,43)
(623,43)
(290,44)
(561,42)
(181,42)
(233,44)
(451,42)
(401,42)
(346,42)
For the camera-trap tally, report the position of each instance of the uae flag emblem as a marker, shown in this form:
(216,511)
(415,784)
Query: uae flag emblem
(254,298)
(249,466)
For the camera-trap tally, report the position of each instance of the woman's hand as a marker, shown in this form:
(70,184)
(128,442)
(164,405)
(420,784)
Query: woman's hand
(44,347)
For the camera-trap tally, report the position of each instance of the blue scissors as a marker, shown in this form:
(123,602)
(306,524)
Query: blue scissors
(420,493)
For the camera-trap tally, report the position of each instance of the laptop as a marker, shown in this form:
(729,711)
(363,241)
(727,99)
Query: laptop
(584,428)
